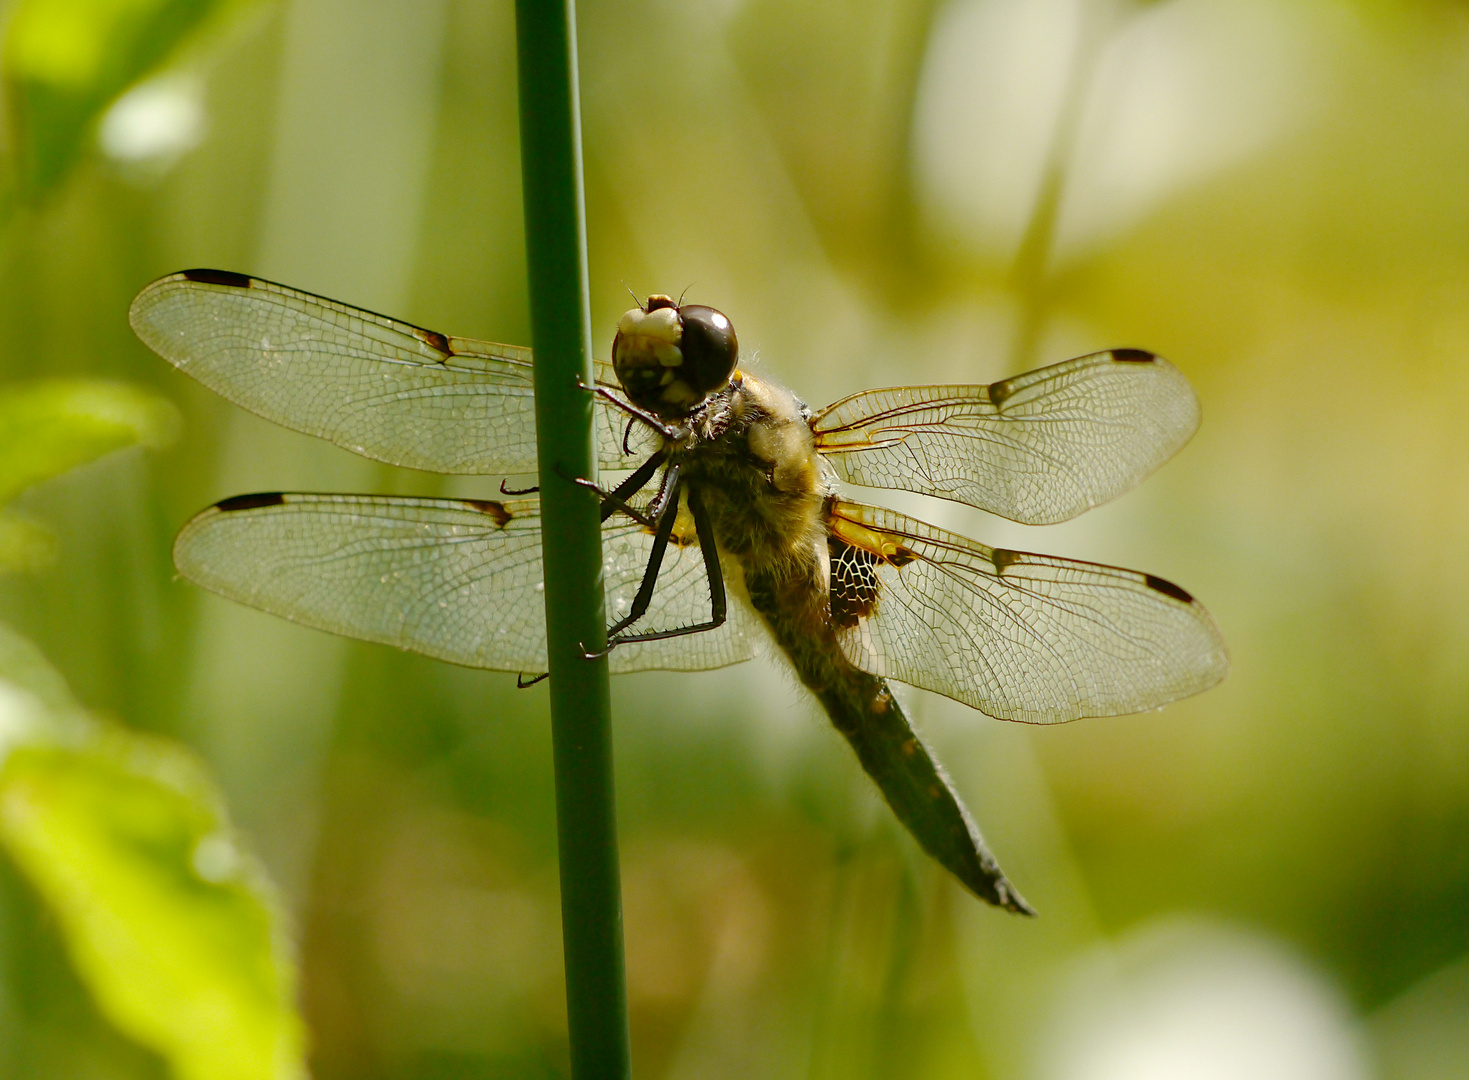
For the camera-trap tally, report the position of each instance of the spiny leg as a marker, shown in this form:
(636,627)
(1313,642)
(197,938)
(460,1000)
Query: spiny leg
(666,513)
(615,500)
(632,410)
(718,602)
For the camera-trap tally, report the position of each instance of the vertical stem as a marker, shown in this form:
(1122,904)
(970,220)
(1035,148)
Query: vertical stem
(581,731)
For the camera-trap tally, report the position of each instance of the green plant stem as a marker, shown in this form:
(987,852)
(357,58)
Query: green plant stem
(581,731)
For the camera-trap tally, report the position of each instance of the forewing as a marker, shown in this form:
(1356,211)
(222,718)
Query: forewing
(459,580)
(1038,448)
(1018,636)
(379,387)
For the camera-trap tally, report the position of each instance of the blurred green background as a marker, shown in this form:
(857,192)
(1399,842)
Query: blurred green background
(1268,881)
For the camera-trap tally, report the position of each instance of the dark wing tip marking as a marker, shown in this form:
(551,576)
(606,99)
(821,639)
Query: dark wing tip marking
(1134,356)
(1004,558)
(434,340)
(999,391)
(219,277)
(496,510)
(250,502)
(1167,588)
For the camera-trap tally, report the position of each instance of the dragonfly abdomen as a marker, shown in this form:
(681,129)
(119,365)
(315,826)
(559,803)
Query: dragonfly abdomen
(796,606)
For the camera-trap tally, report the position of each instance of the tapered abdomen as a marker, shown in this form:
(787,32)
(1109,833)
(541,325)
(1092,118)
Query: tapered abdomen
(795,605)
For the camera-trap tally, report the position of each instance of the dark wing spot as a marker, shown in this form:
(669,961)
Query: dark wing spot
(219,277)
(496,510)
(901,557)
(854,584)
(1167,588)
(1004,558)
(250,502)
(1133,356)
(1000,392)
(434,340)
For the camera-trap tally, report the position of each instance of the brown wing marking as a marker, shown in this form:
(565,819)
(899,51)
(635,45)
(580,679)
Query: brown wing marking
(854,587)
(889,547)
(434,340)
(856,550)
(496,510)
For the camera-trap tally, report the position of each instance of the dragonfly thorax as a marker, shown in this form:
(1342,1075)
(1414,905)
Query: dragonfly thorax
(669,357)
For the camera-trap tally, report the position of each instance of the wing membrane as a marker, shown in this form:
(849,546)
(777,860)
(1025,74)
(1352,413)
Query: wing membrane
(459,580)
(1018,636)
(1038,448)
(382,388)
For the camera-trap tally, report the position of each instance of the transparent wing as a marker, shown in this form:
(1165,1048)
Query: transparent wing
(382,388)
(1038,448)
(1017,636)
(455,579)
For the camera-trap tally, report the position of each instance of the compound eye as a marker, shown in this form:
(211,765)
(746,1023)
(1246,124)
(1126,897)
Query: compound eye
(710,350)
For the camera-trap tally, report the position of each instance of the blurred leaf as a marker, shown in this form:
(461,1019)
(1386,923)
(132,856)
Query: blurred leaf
(171,928)
(168,924)
(67,60)
(24,544)
(51,426)
(23,667)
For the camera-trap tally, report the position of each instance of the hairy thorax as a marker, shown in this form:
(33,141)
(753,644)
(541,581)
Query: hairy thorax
(769,517)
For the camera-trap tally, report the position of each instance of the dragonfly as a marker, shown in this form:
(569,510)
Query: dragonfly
(730,528)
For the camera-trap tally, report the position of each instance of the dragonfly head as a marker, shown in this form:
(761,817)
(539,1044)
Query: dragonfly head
(670,356)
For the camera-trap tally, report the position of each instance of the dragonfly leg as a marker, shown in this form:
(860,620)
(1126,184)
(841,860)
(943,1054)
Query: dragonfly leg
(666,513)
(648,519)
(522,683)
(718,601)
(519,491)
(632,410)
(615,499)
